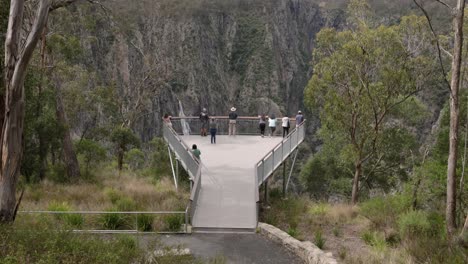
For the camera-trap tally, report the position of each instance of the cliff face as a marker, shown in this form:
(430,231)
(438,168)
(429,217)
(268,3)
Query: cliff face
(254,55)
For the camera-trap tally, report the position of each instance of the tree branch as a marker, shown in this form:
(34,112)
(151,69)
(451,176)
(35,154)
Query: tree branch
(33,37)
(439,51)
(445,4)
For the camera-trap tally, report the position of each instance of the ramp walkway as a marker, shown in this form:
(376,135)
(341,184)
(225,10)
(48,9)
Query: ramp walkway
(226,181)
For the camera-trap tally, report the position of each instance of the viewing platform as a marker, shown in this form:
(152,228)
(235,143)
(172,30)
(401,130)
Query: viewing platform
(225,191)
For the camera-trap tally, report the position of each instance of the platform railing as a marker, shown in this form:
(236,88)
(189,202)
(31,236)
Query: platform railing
(191,164)
(245,125)
(124,221)
(274,158)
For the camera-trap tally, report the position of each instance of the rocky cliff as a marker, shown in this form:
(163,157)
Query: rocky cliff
(254,55)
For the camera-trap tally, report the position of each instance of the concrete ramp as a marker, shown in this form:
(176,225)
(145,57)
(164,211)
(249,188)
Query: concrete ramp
(227,200)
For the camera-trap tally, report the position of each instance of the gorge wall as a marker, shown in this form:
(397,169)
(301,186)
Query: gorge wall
(255,55)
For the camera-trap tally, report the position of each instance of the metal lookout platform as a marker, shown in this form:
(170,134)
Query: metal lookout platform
(226,180)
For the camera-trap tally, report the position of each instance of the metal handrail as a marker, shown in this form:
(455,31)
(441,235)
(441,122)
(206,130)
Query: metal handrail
(195,176)
(135,213)
(299,138)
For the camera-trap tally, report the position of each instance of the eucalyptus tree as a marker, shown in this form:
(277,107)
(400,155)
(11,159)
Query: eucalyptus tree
(361,78)
(18,53)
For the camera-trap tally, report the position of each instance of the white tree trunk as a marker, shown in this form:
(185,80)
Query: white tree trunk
(450,214)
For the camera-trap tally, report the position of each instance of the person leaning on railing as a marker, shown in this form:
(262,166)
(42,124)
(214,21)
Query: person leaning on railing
(299,118)
(167,120)
(262,124)
(232,121)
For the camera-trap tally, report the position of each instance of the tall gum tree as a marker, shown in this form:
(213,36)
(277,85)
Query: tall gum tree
(17,58)
(458,13)
(360,79)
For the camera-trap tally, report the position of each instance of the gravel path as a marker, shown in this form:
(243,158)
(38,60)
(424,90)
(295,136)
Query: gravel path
(235,248)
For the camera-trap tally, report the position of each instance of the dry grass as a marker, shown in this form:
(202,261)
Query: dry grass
(146,193)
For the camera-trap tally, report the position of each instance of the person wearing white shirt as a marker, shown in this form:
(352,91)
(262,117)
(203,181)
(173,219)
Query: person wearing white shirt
(272,124)
(285,124)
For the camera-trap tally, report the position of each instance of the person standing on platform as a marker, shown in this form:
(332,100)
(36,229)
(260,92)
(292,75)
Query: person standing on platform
(204,122)
(232,121)
(285,124)
(262,124)
(272,124)
(167,120)
(196,152)
(299,118)
(213,130)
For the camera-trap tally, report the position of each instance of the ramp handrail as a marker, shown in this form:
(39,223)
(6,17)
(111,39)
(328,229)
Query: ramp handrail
(273,159)
(191,164)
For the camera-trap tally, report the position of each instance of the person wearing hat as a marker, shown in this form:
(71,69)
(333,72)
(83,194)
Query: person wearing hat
(299,118)
(232,121)
(204,118)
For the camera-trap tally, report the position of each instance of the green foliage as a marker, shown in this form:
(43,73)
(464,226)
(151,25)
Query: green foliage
(145,222)
(324,174)
(174,222)
(42,132)
(68,46)
(114,221)
(123,139)
(73,220)
(135,158)
(160,161)
(40,244)
(375,239)
(383,211)
(292,231)
(363,85)
(112,194)
(90,152)
(126,204)
(319,240)
(414,223)
(57,173)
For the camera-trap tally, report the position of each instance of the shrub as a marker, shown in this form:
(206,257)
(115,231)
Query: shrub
(90,152)
(113,221)
(57,173)
(414,223)
(135,159)
(320,209)
(382,211)
(74,220)
(126,204)
(292,231)
(174,222)
(44,244)
(375,239)
(145,222)
(112,194)
(319,239)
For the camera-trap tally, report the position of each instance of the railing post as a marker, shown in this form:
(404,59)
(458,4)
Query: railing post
(284,178)
(186,220)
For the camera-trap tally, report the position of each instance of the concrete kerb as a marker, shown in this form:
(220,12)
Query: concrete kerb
(307,251)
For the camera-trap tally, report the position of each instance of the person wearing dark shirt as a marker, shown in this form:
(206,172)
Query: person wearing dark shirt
(213,130)
(262,124)
(204,122)
(232,121)
(299,118)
